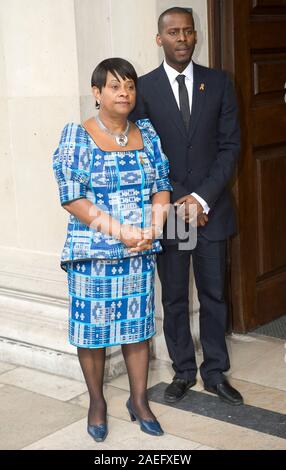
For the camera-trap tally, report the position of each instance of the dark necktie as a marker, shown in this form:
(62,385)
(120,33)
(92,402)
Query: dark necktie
(184,100)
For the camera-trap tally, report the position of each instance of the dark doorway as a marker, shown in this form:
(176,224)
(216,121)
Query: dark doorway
(248,39)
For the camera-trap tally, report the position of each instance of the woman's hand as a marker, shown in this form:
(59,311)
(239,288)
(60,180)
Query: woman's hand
(148,235)
(130,235)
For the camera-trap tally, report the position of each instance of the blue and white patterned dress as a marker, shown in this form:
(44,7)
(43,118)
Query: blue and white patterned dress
(111,292)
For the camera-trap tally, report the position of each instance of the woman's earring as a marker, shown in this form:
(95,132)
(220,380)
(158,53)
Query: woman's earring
(97,105)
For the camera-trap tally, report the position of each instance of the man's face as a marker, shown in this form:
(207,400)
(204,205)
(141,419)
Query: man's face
(178,39)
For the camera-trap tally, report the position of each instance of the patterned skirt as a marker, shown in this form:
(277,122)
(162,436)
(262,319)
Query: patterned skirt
(111,301)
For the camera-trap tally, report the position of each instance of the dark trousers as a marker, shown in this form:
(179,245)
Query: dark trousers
(209,264)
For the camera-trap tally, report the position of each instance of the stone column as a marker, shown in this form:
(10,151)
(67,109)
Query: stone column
(39,93)
(48,50)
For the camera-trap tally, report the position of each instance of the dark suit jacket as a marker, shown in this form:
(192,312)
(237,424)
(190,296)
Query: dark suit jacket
(201,160)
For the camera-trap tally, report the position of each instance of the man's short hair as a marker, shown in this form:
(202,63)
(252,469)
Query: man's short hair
(181,10)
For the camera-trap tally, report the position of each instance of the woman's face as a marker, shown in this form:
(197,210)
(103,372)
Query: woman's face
(117,97)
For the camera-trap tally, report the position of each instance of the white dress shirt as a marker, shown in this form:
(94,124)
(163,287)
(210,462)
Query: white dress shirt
(189,81)
(172,75)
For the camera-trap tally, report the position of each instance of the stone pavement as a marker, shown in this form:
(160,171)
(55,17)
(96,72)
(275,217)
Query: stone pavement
(45,411)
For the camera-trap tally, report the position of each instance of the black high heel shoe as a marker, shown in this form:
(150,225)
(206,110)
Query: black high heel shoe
(149,426)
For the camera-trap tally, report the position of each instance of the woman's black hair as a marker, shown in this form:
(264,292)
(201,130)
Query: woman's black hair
(116,66)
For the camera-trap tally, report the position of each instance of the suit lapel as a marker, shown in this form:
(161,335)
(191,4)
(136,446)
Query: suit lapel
(164,90)
(199,94)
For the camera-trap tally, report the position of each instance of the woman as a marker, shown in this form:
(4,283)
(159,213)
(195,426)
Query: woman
(113,180)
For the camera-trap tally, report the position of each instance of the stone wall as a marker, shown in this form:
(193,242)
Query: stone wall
(48,50)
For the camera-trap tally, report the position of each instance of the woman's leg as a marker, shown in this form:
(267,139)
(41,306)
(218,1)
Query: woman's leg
(92,363)
(136,358)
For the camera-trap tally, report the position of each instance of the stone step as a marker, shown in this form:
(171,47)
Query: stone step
(34,334)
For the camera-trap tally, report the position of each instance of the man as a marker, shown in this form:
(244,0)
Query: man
(194,111)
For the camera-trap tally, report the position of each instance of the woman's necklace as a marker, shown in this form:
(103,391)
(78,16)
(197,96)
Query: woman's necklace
(121,138)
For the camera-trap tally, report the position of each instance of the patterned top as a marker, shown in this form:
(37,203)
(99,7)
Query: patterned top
(119,182)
